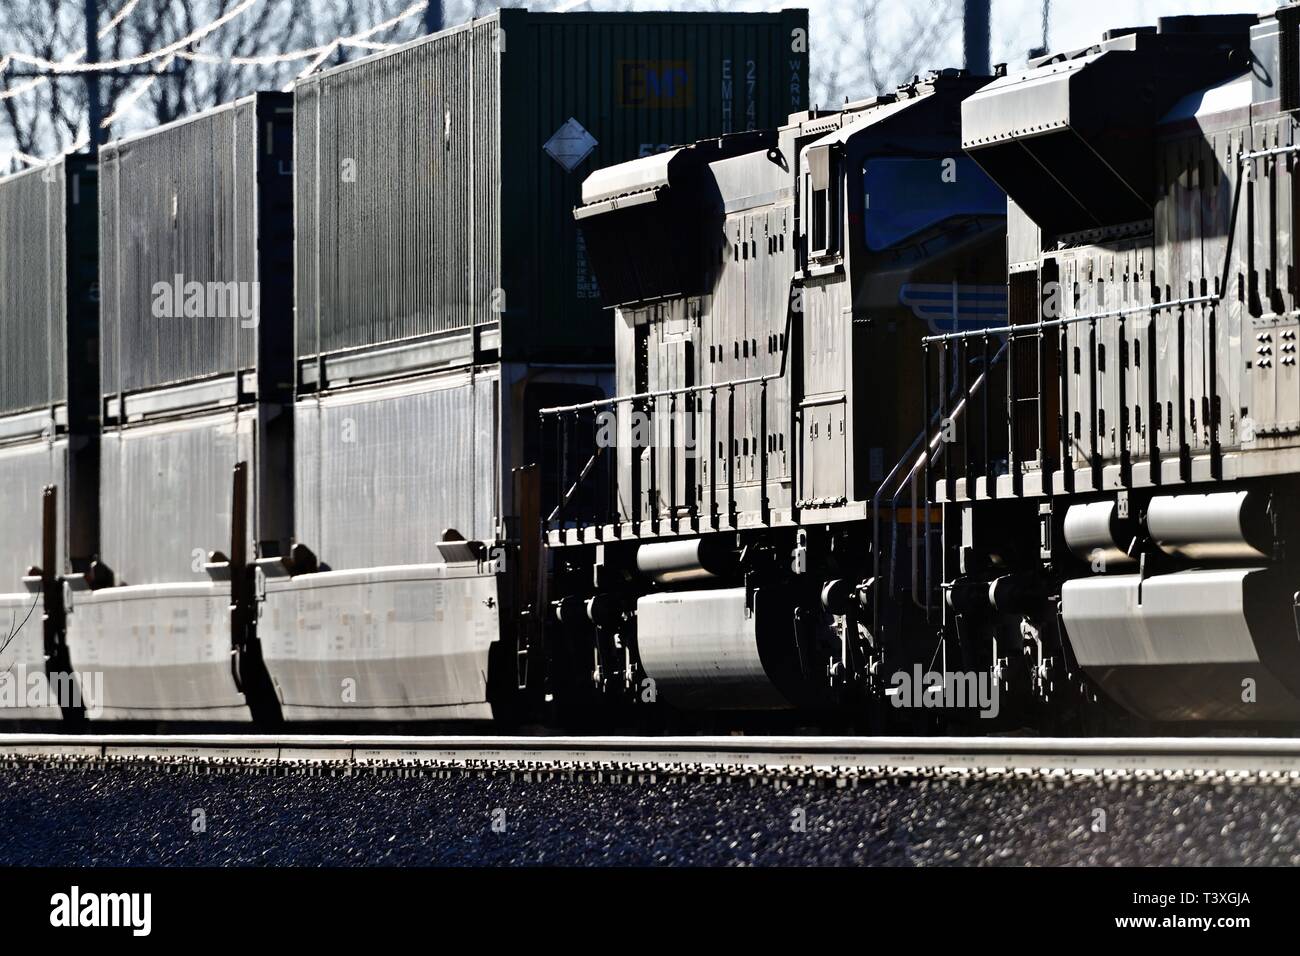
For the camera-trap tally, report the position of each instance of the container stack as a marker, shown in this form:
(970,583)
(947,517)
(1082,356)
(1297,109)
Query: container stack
(444,295)
(48,421)
(196,485)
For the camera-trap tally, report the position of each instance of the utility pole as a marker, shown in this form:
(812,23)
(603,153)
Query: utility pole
(94,107)
(1047,19)
(96,134)
(433,16)
(975,34)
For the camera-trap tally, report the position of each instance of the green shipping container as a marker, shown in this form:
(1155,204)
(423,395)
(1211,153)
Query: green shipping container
(435,183)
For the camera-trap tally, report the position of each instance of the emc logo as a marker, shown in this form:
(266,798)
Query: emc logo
(654,84)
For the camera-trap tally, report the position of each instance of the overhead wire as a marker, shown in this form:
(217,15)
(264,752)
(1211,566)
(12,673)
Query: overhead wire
(160,59)
(71,57)
(142,59)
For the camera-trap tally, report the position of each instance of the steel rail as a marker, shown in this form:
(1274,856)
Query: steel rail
(1071,755)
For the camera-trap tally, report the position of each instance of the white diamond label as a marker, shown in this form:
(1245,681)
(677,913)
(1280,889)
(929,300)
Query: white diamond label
(570,145)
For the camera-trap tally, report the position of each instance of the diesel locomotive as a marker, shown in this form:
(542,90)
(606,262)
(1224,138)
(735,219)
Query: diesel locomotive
(1120,522)
(771,292)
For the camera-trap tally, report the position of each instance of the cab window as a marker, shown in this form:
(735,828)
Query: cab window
(905,196)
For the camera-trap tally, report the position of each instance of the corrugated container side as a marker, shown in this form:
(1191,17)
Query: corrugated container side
(49,354)
(387,155)
(306,224)
(175,215)
(57,224)
(109,259)
(426,202)
(382,471)
(167,495)
(181,201)
(32,290)
(25,470)
(243,153)
(486,170)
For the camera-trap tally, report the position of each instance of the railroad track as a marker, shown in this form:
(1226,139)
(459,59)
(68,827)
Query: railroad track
(1276,759)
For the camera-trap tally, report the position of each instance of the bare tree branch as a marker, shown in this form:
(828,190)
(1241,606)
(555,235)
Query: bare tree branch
(861,47)
(878,44)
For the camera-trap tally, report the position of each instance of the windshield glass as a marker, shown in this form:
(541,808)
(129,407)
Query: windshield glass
(907,195)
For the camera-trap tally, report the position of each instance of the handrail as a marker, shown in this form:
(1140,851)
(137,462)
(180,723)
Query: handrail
(663,393)
(712,388)
(1152,307)
(1264,153)
(931,447)
(1071,320)
(730,386)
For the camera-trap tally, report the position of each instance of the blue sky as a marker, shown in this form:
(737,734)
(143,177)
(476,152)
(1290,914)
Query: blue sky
(1078,22)
(1017,24)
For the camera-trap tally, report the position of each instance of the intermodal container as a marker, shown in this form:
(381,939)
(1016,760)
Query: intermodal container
(49,388)
(196,237)
(47,283)
(435,183)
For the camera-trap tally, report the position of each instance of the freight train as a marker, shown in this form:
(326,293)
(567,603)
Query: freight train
(448,389)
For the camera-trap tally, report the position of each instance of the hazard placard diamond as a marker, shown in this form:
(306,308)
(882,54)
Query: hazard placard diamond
(570,145)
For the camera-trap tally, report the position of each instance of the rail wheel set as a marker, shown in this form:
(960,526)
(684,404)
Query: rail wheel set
(568,370)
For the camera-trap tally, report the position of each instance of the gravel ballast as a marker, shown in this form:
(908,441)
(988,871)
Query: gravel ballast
(148,814)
